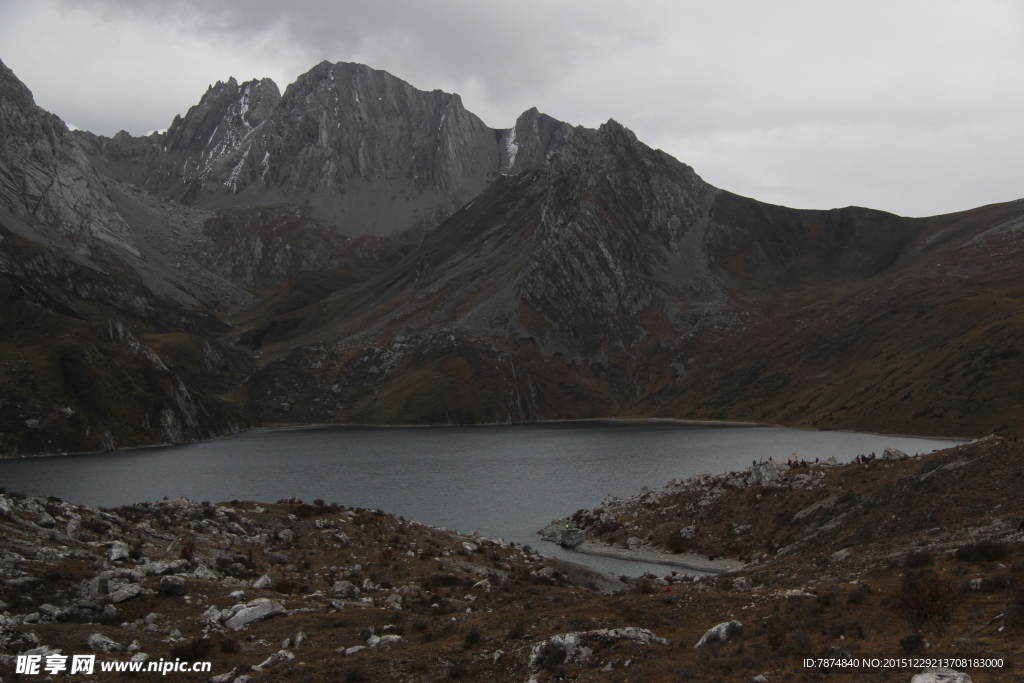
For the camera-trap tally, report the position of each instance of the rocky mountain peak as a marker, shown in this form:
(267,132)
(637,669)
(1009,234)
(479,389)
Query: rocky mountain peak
(46,179)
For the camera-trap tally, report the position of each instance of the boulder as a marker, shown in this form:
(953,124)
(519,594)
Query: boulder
(894,454)
(349,651)
(265,582)
(345,589)
(126,592)
(393,601)
(274,659)
(156,568)
(839,555)
(573,537)
(204,573)
(720,633)
(940,675)
(574,644)
(118,552)
(98,588)
(384,640)
(74,530)
(173,585)
(286,535)
(98,642)
(257,610)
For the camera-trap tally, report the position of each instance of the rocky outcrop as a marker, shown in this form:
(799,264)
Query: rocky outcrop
(46,179)
(368,152)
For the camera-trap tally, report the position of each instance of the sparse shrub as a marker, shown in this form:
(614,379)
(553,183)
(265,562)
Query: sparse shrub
(304,510)
(923,598)
(354,674)
(912,643)
(1015,611)
(228,646)
(443,580)
(859,596)
(457,671)
(517,631)
(551,656)
(190,652)
(796,643)
(471,639)
(676,543)
(917,559)
(982,551)
(188,549)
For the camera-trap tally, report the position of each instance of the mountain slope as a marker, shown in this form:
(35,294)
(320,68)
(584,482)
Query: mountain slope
(540,272)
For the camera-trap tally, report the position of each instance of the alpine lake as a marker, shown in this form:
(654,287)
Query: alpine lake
(501,481)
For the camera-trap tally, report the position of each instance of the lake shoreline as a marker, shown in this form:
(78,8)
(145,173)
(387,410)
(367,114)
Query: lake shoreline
(609,421)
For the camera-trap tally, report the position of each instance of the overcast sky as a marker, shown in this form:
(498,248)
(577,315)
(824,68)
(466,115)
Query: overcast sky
(911,107)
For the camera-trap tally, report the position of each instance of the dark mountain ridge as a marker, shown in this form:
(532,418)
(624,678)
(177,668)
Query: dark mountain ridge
(358,251)
(365,150)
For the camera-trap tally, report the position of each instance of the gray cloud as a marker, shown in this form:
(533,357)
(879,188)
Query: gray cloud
(901,105)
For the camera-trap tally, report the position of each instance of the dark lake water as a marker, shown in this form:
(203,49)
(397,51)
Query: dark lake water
(503,481)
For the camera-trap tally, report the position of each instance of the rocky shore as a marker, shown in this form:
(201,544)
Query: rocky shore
(840,560)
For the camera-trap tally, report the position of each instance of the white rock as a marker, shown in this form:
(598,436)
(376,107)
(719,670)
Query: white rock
(98,642)
(118,552)
(941,675)
(256,610)
(839,555)
(720,633)
(126,592)
(204,573)
(265,581)
(894,454)
(274,659)
(345,589)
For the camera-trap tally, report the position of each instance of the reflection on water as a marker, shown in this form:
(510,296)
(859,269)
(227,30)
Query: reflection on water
(503,481)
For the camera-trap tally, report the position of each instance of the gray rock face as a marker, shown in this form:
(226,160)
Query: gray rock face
(369,152)
(45,177)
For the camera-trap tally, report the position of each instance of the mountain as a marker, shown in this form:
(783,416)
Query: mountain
(365,150)
(359,251)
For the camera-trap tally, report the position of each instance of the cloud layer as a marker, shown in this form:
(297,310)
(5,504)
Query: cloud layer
(904,106)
